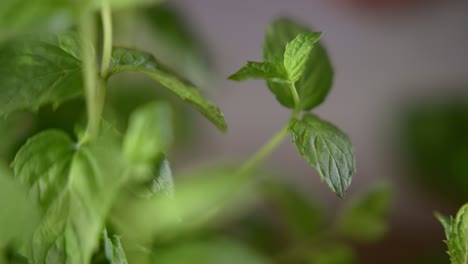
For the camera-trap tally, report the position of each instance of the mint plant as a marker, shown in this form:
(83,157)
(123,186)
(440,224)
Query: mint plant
(75,193)
(298,72)
(456,231)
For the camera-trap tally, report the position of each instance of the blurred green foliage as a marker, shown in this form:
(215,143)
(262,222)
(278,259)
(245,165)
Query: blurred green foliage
(435,146)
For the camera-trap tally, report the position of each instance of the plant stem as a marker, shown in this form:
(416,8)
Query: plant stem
(263,152)
(295,95)
(95,85)
(87,35)
(106,16)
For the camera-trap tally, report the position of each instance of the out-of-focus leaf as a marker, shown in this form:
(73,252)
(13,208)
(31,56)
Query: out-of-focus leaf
(317,76)
(334,254)
(37,72)
(128,60)
(75,187)
(113,249)
(196,197)
(177,43)
(214,251)
(456,231)
(301,216)
(19,16)
(434,144)
(365,218)
(124,96)
(19,213)
(149,134)
(327,149)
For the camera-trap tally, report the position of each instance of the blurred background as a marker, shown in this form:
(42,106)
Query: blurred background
(400,92)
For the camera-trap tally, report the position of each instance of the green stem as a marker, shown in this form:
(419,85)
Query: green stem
(263,152)
(95,85)
(295,95)
(246,172)
(106,15)
(87,32)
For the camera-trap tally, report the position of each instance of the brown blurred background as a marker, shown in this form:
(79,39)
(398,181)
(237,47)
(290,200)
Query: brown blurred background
(401,82)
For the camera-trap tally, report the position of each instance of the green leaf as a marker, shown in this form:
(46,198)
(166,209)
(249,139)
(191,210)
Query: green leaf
(210,251)
(456,231)
(129,60)
(333,254)
(19,214)
(149,133)
(18,16)
(35,72)
(317,76)
(301,216)
(297,53)
(177,44)
(144,192)
(258,70)
(327,149)
(114,252)
(75,187)
(365,217)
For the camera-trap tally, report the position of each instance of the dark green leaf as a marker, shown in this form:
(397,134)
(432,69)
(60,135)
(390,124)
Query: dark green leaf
(297,53)
(177,44)
(75,186)
(114,252)
(327,149)
(37,72)
(365,217)
(317,76)
(149,134)
(128,60)
(258,70)
(456,231)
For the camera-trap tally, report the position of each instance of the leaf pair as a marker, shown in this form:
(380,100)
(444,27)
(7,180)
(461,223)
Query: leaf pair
(298,71)
(292,55)
(456,231)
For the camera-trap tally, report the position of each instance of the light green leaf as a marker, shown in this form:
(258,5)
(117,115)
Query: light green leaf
(297,53)
(129,60)
(211,251)
(456,231)
(333,254)
(317,76)
(365,217)
(19,214)
(19,16)
(327,149)
(149,134)
(113,250)
(36,72)
(259,70)
(75,187)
